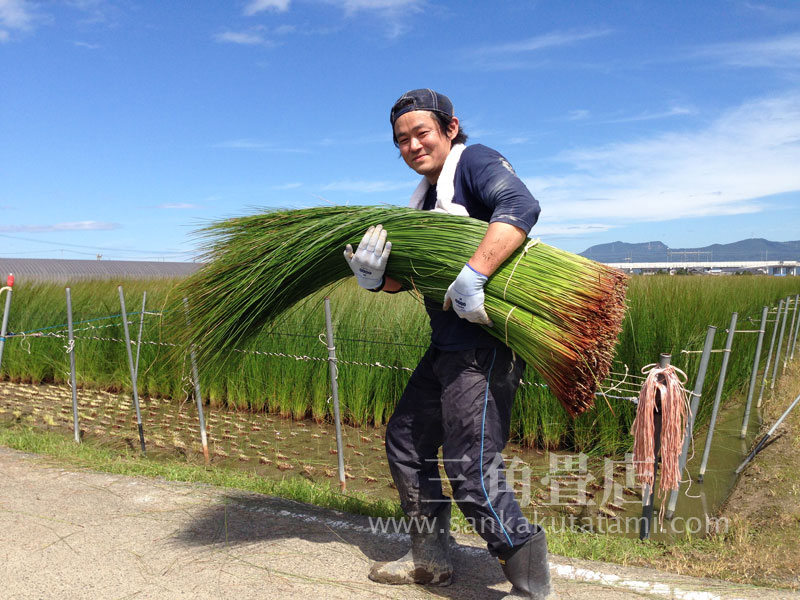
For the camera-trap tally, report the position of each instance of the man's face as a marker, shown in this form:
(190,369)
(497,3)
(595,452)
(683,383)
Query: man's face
(423,144)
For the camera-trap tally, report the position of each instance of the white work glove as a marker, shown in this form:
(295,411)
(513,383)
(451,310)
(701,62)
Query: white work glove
(368,263)
(466,296)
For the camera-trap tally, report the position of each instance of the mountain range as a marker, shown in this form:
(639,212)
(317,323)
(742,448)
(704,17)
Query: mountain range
(756,249)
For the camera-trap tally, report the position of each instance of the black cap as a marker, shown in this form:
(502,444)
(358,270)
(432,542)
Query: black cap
(423,99)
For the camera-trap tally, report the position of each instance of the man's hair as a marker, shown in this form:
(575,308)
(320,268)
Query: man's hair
(444,122)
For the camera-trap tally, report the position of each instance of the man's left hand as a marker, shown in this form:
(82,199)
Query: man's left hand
(466,296)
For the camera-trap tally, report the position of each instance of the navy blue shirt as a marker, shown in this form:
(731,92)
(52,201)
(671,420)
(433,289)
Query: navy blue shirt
(487,186)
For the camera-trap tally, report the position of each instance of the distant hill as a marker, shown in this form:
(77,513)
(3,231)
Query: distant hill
(752,249)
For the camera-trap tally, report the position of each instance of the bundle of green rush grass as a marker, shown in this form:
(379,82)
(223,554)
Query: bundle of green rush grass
(561,312)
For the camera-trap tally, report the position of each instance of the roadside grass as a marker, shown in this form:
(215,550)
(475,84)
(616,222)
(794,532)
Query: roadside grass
(125,461)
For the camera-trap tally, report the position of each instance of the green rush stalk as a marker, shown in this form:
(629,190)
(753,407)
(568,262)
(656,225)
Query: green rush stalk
(561,312)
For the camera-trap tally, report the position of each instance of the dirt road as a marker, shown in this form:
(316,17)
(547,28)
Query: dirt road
(72,533)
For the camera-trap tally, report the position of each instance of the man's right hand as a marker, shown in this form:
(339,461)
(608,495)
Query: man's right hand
(368,262)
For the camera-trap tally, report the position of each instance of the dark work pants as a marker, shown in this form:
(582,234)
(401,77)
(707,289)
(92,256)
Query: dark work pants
(459,401)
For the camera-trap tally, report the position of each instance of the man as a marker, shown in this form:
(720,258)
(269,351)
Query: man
(460,396)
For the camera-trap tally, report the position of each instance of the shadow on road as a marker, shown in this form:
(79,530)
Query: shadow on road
(243,520)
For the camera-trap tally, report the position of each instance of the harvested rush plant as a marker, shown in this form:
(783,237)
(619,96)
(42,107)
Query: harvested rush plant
(561,312)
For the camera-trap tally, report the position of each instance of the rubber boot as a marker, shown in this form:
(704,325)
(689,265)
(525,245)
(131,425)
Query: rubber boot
(526,568)
(428,561)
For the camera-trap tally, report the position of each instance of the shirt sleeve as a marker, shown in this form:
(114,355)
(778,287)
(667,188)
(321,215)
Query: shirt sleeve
(492,181)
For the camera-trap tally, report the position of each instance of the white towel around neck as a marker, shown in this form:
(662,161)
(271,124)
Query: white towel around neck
(445,187)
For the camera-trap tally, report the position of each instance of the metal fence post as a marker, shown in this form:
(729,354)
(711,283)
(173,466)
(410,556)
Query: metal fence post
(198,398)
(794,340)
(648,491)
(335,393)
(7,289)
(766,437)
(695,403)
(132,370)
(720,384)
(780,343)
(754,375)
(72,379)
(790,341)
(769,355)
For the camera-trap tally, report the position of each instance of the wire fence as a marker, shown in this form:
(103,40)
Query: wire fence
(619,385)
(625,385)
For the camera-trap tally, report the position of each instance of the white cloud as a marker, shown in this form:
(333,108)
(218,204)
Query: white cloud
(528,53)
(24,15)
(86,45)
(247,38)
(569,229)
(542,42)
(68,226)
(392,14)
(779,52)
(98,12)
(257,6)
(675,111)
(378,5)
(178,205)
(287,186)
(243,144)
(578,115)
(252,144)
(284,29)
(749,152)
(369,187)
(15,15)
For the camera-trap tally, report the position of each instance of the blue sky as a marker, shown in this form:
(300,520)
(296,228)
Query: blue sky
(126,125)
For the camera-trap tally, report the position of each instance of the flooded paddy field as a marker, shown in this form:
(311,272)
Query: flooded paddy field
(572,490)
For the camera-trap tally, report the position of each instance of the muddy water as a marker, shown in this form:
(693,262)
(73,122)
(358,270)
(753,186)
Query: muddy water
(558,490)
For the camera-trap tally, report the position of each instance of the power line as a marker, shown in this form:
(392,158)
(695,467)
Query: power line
(104,249)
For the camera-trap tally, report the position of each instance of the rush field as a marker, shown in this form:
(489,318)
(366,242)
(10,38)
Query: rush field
(378,340)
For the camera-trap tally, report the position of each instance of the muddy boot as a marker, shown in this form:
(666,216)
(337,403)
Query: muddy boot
(428,561)
(526,568)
